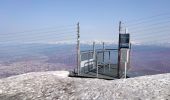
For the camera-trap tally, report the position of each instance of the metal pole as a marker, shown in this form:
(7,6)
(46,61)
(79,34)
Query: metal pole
(119,52)
(125,69)
(88,61)
(97,68)
(109,61)
(94,55)
(129,56)
(103,52)
(78,48)
(103,57)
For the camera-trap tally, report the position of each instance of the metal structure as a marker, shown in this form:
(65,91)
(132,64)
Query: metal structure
(123,53)
(100,63)
(78,48)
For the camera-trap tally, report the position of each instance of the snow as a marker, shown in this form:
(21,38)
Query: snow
(55,85)
(86,62)
(62,74)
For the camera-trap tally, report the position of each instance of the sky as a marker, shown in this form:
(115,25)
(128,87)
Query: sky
(46,20)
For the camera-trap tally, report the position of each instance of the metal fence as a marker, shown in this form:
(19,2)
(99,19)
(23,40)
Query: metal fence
(101,63)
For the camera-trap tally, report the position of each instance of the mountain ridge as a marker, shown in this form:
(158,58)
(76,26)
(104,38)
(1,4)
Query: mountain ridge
(55,85)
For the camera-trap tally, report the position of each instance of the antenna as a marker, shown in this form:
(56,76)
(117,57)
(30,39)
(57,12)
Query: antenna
(78,49)
(119,52)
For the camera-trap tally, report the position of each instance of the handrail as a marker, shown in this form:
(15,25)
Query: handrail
(87,51)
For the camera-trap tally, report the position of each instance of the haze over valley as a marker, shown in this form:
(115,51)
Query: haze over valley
(23,58)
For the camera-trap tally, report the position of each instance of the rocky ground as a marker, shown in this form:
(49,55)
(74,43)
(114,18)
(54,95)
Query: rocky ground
(57,86)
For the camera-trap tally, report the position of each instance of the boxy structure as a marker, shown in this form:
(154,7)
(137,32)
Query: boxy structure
(124,54)
(98,63)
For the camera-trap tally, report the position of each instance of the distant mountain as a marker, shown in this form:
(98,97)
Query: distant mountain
(98,42)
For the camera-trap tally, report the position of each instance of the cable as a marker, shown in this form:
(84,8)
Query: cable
(146,18)
(28,47)
(153,33)
(35,39)
(39,32)
(145,22)
(150,28)
(160,38)
(40,40)
(33,30)
(148,23)
(41,35)
(42,48)
(156,40)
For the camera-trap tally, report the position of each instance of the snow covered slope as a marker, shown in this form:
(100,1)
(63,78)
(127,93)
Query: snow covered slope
(57,86)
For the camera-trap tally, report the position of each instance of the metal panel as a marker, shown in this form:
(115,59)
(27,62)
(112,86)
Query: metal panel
(124,55)
(124,40)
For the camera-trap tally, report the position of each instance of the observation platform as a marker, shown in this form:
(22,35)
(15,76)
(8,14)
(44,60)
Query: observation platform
(104,71)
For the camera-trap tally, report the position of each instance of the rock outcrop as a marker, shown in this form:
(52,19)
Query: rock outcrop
(57,86)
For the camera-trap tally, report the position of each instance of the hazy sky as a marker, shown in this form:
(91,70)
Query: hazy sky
(98,18)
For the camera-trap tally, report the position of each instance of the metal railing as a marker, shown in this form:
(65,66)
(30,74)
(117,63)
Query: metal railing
(99,62)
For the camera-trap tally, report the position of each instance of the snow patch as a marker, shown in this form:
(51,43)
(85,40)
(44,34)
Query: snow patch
(62,74)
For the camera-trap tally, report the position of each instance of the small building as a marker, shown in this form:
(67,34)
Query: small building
(98,63)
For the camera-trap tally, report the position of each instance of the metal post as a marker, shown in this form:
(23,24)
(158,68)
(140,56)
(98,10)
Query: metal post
(94,57)
(129,60)
(103,57)
(119,52)
(103,52)
(78,49)
(109,61)
(129,54)
(97,69)
(88,61)
(125,69)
